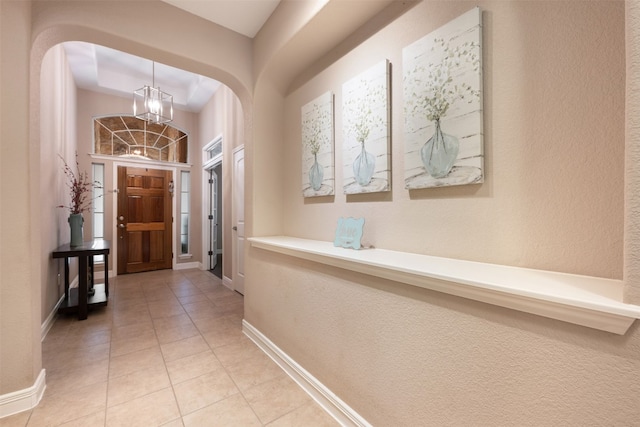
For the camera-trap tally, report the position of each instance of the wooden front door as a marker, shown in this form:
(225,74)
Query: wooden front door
(144,220)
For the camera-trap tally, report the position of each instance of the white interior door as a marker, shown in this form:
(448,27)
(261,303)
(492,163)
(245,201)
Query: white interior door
(238,219)
(213,219)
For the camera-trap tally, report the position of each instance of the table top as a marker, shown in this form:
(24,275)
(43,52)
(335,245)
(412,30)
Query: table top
(91,247)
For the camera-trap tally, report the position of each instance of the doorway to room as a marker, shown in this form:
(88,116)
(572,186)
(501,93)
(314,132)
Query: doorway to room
(212,207)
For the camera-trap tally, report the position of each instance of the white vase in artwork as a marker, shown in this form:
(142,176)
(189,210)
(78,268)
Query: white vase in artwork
(439,153)
(316,174)
(363,167)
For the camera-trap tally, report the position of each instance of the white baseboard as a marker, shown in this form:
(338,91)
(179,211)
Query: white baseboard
(187,265)
(226,281)
(50,320)
(331,403)
(23,400)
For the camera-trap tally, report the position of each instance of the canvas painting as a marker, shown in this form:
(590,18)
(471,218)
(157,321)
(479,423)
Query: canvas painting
(365,115)
(442,91)
(317,147)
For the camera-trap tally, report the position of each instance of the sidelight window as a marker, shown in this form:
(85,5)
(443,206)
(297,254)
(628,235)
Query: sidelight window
(185,184)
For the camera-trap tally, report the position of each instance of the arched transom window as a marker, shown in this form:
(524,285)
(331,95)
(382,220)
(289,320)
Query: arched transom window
(128,136)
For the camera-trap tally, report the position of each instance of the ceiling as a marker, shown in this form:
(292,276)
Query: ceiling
(105,70)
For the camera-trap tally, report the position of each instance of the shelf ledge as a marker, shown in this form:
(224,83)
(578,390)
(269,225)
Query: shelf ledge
(588,301)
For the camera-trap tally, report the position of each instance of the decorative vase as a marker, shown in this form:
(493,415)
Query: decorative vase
(316,173)
(439,153)
(75,223)
(363,167)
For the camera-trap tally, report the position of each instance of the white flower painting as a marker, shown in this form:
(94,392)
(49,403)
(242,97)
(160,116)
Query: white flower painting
(317,147)
(442,90)
(365,112)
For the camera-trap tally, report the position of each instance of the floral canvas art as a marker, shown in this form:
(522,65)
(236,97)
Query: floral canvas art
(317,147)
(365,115)
(442,91)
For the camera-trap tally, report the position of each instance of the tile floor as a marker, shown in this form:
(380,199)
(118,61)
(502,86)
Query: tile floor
(168,350)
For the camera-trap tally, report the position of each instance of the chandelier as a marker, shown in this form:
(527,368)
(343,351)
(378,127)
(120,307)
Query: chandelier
(151,104)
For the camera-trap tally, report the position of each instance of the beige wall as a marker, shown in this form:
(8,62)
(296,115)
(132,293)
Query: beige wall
(552,199)
(58,136)
(20,349)
(398,355)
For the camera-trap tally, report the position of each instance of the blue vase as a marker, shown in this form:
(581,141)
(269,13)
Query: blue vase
(439,153)
(363,167)
(316,173)
(75,223)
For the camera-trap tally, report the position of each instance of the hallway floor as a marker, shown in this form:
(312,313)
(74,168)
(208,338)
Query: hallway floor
(168,350)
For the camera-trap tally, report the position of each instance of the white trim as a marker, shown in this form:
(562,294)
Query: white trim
(583,300)
(50,320)
(188,265)
(331,403)
(226,281)
(25,399)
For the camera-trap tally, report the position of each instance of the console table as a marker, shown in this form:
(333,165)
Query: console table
(79,299)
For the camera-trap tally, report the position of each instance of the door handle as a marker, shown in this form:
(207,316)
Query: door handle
(121,225)
(234,228)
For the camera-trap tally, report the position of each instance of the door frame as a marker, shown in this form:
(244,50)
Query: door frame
(207,165)
(205,213)
(114,213)
(237,276)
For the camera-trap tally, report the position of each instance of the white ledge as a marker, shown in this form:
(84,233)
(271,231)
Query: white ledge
(588,301)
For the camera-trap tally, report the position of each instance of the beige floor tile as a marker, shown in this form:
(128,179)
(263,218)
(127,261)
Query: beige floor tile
(177,333)
(55,409)
(174,423)
(153,409)
(136,384)
(204,390)
(169,341)
(135,361)
(165,308)
(129,345)
(71,358)
(309,415)
(172,321)
(17,420)
(223,336)
(68,378)
(235,352)
(200,309)
(185,289)
(256,370)
(91,420)
(183,348)
(188,299)
(131,317)
(233,411)
(131,331)
(275,398)
(193,366)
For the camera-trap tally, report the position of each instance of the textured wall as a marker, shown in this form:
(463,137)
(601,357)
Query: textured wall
(552,199)
(632,176)
(20,358)
(554,144)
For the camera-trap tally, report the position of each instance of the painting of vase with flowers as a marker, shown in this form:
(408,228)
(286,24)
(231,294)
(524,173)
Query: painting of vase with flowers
(317,147)
(442,92)
(365,131)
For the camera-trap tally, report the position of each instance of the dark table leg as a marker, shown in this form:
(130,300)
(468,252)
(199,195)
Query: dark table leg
(66,278)
(106,274)
(82,287)
(91,291)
